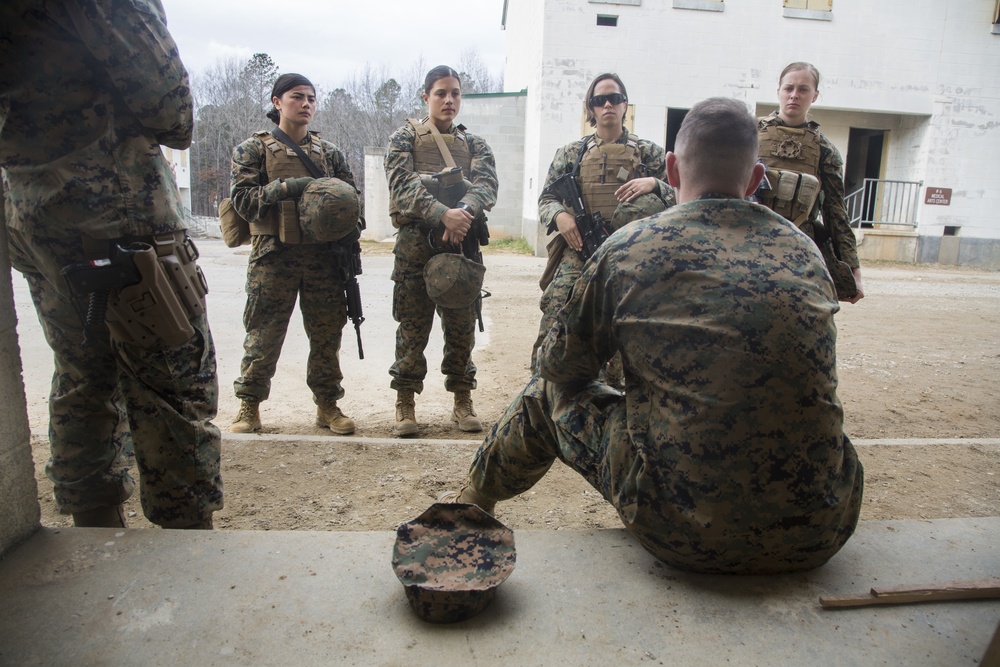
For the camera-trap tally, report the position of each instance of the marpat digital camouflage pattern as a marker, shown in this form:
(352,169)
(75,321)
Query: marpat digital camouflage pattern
(451,559)
(412,308)
(556,293)
(88,92)
(453,280)
(833,209)
(726,453)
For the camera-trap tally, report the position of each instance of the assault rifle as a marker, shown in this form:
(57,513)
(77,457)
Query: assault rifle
(452,186)
(593,228)
(349,266)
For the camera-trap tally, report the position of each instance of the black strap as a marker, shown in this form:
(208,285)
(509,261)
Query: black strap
(285,139)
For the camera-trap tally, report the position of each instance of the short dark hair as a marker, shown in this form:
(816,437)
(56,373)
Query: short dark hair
(717,138)
(282,85)
(588,113)
(438,73)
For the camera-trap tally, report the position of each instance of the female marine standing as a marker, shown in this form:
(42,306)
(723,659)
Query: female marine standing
(417,152)
(792,144)
(270,175)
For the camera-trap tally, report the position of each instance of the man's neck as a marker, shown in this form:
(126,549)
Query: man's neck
(609,134)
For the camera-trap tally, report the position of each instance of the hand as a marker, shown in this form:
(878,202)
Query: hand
(637,186)
(456,223)
(570,233)
(861,291)
(293,188)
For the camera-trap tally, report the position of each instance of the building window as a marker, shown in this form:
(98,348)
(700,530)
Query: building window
(702,5)
(817,10)
(607,20)
(996,19)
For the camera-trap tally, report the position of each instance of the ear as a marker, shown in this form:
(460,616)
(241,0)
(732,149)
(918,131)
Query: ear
(424,97)
(673,173)
(275,100)
(756,176)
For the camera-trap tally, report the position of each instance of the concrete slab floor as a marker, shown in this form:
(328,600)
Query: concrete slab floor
(153,597)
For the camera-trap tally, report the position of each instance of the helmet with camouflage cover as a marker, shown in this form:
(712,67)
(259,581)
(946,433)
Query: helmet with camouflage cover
(641,207)
(329,211)
(451,559)
(453,280)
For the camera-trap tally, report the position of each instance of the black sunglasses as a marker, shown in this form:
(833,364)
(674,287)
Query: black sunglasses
(601,100)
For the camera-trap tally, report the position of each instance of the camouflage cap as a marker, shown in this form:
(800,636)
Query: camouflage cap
(328,210)
(641,207)
(451,559)
(453,280)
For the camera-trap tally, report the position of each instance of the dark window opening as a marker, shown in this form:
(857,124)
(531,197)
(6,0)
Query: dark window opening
(604,19)
(674,119)
(951,231)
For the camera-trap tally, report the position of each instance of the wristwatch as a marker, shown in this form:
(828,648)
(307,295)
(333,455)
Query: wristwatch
(468,209)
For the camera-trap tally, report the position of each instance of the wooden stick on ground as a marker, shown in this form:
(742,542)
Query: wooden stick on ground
(979,589)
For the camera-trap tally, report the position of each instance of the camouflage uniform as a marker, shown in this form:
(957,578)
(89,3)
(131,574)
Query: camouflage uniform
(831,178)
(88,92)
(726,452)
(411,307)
(278,273)
(556,293)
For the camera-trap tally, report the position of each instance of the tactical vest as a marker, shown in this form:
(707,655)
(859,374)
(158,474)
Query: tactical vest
(282,162)
(427,158)
(792,156)
(603,169)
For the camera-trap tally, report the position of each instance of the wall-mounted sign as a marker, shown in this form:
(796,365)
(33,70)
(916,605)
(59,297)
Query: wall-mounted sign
(938,196)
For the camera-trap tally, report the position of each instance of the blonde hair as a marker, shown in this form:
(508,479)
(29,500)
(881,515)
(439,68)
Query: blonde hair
(799,67)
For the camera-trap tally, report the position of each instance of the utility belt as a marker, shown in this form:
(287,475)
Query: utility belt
(144,289)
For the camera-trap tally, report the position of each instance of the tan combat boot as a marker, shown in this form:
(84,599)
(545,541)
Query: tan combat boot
(464,415)
(330,416)
(406,419)
(101,517)
(248,418)
(468,495)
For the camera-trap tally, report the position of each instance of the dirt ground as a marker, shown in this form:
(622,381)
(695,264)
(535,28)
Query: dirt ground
(918,359)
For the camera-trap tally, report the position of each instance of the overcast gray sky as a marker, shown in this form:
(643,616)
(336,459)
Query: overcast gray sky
(326,40)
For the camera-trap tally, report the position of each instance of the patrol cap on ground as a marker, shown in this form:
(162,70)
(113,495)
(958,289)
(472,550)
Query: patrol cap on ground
(328,210)
(451,559)
(641,207)
(453,280)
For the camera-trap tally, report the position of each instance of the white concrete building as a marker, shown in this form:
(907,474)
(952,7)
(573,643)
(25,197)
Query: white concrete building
(180,163)
(910,91)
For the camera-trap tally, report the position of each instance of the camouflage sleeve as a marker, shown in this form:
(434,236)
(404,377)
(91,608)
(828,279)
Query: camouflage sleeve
(654,159)
(250,199)
(132,43)
(549,206)
(482,196)
(410,198)
(338,167)
(580,342)
(831,167)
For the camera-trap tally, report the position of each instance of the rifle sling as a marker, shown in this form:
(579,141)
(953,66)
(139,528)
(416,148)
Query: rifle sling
(439,140)
(287,140)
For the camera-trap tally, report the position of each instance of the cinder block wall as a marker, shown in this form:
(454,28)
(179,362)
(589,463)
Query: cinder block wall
(19,510)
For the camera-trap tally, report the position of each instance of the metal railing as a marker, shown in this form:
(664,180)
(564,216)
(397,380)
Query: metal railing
(884,202)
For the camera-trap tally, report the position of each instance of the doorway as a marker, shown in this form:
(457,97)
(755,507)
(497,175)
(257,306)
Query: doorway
(865,159)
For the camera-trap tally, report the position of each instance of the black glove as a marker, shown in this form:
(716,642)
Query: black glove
(294,187)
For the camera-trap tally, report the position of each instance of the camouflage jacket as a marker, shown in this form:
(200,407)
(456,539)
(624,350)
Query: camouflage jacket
(831,177)
(412,199)
(650,155)
(88,92)
(253,195)
(724,316)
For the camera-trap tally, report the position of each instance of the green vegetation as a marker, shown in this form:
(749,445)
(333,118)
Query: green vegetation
(509,246)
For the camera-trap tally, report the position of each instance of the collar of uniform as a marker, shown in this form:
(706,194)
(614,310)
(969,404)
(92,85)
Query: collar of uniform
(454,129)
(716,195)
(775,119)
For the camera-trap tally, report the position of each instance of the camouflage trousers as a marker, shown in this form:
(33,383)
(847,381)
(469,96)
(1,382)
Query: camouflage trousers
(274,281)
(414,311)
(554,297)
(587,429)
(111,399)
